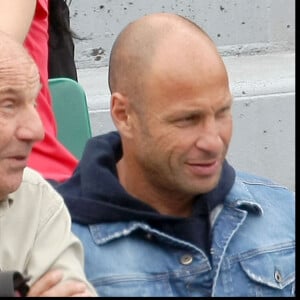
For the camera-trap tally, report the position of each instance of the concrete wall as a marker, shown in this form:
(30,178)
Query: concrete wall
(257,41)
(240,26)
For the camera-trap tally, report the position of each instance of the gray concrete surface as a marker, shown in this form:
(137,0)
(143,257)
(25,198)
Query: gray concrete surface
(257,41)
(236,26)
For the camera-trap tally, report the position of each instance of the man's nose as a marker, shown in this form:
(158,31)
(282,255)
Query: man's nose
(209,137)
(31,127)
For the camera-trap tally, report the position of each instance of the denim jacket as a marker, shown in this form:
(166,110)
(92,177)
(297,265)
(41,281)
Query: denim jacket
(252,251)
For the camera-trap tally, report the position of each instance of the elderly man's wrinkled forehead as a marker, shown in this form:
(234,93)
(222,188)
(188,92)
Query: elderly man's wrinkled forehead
(16,63)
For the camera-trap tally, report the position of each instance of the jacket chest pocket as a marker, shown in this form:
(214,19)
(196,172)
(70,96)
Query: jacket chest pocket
(271,273)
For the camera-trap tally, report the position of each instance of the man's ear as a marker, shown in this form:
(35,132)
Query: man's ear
(120,113)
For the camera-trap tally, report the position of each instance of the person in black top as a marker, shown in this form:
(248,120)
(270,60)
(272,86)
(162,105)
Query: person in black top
(61,62)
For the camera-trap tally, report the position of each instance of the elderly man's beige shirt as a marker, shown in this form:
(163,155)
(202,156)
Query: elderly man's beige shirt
(35,232)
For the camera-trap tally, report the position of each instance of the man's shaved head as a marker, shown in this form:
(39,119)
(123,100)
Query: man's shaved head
(135,49)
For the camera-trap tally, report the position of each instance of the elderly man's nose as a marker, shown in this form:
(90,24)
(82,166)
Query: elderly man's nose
(31,126)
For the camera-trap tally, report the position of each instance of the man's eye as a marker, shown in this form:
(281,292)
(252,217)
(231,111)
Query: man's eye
(7,104)
(224,112)
(187,120)
(7,108)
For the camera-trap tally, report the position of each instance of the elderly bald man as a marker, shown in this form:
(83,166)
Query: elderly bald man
(158,207)
(36,241)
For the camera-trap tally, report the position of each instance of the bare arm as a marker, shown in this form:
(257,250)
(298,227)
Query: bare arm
(16,17)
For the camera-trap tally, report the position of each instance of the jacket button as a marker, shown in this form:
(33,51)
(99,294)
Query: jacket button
(186,259)
(277,276)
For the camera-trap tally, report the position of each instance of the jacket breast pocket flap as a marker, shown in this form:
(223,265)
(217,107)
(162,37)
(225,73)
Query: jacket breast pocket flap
(274,269)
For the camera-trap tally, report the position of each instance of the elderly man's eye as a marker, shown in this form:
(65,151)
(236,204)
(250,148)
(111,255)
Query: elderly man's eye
(7,104)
